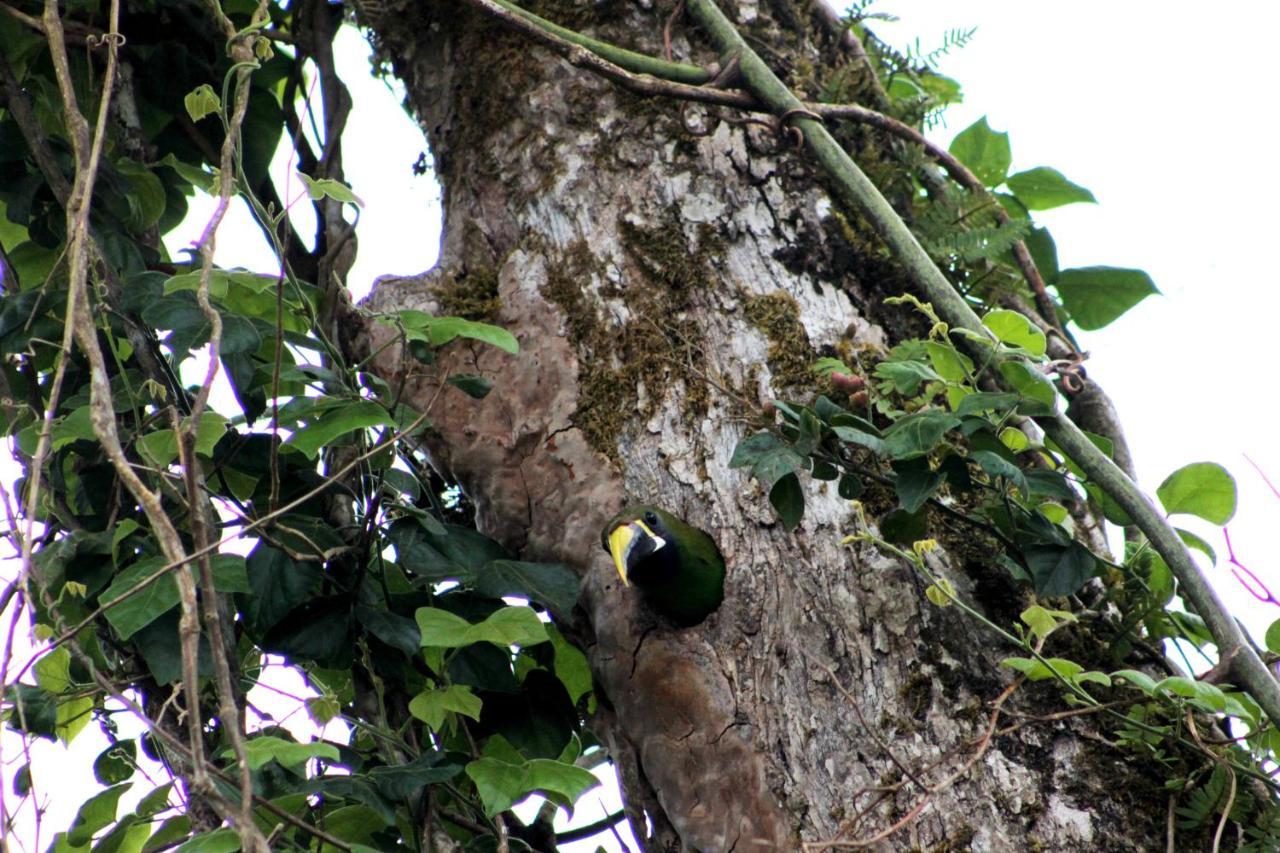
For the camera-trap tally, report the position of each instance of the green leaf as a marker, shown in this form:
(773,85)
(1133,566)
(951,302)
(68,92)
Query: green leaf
(76,426)
(915,481)
(1036,670)
(218,841)
(201,101)
(986,401)
(471,384)
(1059,570)
(1191,540)
(1273,638)
(264,748)
(357,415)
(824,367)
(144,607)
(277,584)
(1015,330)
(509,626)
(1137,679)
(553,585)
(752,448)
(905,376)
(1038,394)
(571,666)
(502,784)
(787,499)
(902,528)
(916,435)
(1043,188)
(96,812)
(319,188)
(996,466)
(116,763)
(984,151)
(849,487)
(431,706)
(1043,621)
(948,362)
(1095,296)
(400,781)
(161,447)
(1202,489)
(438,331)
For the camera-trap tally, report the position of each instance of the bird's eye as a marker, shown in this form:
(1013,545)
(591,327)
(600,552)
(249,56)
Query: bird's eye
(651,519)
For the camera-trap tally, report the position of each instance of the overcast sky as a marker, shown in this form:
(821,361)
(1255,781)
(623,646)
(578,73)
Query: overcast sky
(1161,109)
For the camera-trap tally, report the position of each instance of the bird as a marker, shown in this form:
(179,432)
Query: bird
(677,568)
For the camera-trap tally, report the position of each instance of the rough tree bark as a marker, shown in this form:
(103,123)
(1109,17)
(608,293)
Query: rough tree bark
(668,272)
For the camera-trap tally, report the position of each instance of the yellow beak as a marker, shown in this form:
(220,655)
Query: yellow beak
(623,539)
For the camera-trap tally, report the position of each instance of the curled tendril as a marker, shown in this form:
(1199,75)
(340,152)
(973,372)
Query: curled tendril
(1072,373)
(795,134)
(116,40)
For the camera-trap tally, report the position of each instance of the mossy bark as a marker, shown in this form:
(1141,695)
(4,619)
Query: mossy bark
(669,273)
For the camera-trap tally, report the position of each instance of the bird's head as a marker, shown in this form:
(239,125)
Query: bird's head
(633,536)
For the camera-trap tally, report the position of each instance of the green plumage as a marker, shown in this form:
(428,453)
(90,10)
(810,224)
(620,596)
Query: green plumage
(677,568)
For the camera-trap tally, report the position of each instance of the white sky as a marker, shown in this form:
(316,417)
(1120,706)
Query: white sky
(1161,109)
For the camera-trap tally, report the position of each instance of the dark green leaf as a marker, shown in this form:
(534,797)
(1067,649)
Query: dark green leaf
(277,584)
(1046,483)
(1043,188)
(1203,489)
(788,500)
(471,384)
(1059,570)
(775,465)
(984,151)
(553,585)
(997,466)
(399,632)
(149,603)
(915,482)
(902,528)
(1095,296)
(483,666)
(319,631)
(916,435)
(752,448)
(823,470)
(1044,252)
(399,782)
(115,763)
(539,721)
(161,649)
(850,487)
(859,436)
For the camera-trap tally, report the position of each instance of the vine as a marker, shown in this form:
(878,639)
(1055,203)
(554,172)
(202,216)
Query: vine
(359,566)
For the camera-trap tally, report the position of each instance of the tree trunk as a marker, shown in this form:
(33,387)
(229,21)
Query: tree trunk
(668,272)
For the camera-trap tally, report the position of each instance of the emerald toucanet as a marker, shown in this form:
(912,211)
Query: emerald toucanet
(677,568)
